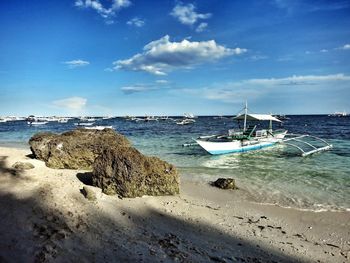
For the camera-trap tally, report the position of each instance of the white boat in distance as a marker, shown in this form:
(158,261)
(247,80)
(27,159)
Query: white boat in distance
(100,128)
(339,114)
(84,124)
(185,122)
(36,122)
(250,139)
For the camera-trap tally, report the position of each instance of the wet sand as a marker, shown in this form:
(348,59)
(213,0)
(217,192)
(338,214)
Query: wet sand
(45,218)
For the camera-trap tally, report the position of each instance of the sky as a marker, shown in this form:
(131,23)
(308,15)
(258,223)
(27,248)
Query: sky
(167,57)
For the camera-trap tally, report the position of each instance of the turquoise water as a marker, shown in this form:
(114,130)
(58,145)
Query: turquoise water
(276,175)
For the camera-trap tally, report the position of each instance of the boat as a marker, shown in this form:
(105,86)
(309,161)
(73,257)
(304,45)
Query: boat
(185,122)
(90,119)
(189,116)
(3,120)
(150,118)
(35,123)
(281,117)
(98,127)
(250,138)
(339,114)
(63,120)
(84,123)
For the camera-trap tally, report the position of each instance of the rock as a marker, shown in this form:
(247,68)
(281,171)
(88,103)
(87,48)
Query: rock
(22,166)
(75,149)
(90,192)
(129,173)
(225,183)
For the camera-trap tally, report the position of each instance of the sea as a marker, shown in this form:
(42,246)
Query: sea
(276,175)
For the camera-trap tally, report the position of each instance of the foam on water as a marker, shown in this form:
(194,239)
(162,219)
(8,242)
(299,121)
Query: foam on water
(272,176)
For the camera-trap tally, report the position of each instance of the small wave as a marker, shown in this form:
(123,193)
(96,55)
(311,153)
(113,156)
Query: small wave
(319,207)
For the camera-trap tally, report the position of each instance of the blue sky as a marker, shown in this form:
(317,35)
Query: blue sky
(119,57)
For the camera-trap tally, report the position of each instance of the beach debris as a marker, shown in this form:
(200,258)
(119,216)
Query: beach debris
(22,166)
(129,173)
(332,245)
(225,183)
(90,192)
(76,149)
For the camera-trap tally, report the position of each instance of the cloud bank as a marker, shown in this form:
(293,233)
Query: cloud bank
(236,92)
(161,56)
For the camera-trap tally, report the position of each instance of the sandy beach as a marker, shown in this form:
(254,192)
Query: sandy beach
(46,218)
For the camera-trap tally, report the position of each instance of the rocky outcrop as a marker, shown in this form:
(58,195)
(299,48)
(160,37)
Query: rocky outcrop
(128,173)
(22,166)
(75,149)
(225,183)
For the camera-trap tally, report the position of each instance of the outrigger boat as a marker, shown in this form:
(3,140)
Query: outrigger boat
(250,138)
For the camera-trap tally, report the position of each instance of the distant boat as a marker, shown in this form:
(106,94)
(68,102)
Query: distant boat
(87,119)
(163,118)
(63,120)
(99,127)
(219,117)
(339,114)
(281,117)
(84,124)
(185,122)
(189,116)
(3,120)
(36,122)
(151,118)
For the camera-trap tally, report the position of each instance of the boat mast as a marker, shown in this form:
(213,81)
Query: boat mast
(245,116)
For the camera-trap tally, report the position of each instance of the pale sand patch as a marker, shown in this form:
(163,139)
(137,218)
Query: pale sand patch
(44,217)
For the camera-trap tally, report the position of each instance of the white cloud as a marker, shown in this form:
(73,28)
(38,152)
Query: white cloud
(161,56)
(138,88)
(162,81)
(346,47)
(136,22)
(76,63)
(202,26)
(236,92)
(72,103)
(187,15)
(258,57)
(324,50)
(106,13)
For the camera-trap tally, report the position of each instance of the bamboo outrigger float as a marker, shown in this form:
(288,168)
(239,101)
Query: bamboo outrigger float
(251,139)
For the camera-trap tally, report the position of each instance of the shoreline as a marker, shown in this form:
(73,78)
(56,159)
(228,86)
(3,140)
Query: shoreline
(244,195)
(44,216)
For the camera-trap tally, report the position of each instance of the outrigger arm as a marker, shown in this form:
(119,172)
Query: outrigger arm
(303,151)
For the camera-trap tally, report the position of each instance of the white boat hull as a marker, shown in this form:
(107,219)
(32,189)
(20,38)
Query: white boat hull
(37,122)
(99,127)
(239,146)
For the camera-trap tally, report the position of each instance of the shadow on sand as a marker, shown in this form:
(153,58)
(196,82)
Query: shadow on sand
(36,229)
(85,178)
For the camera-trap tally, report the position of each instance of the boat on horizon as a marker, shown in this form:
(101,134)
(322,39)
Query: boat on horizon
(339,114)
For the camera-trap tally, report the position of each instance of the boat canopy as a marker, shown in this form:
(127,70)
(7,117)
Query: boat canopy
(257,117)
